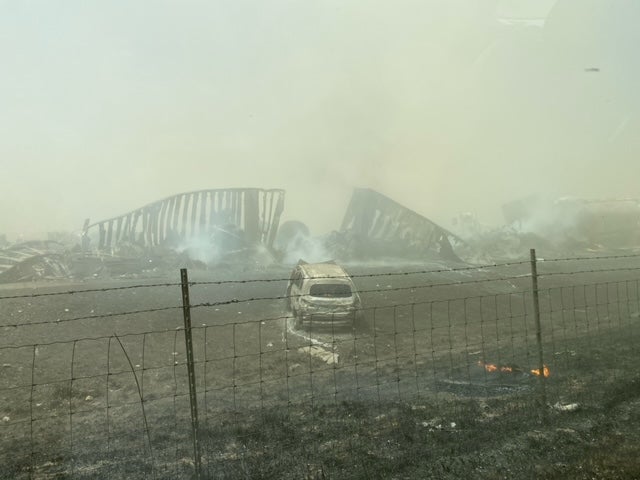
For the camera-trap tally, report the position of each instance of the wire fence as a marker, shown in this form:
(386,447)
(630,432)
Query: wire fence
(214,379)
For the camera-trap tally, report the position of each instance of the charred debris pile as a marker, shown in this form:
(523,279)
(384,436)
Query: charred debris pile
(241,229)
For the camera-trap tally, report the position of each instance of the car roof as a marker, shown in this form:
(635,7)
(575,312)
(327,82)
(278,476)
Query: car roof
(320,270)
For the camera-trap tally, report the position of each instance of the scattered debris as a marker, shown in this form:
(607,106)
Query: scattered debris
(315,351)
(568,407)
(33,261)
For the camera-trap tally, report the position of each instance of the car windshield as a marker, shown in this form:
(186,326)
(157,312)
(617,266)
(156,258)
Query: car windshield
(330,290)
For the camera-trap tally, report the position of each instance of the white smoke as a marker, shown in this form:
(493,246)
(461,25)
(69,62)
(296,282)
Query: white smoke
(309,249)
(200,248)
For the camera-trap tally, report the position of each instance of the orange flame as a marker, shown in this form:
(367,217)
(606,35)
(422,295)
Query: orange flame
(490,367)
(545,371)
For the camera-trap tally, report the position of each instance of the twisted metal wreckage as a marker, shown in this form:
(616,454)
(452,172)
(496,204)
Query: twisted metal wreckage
(33,260)
(232,221)
(375,225)
(250,215)
(240,224)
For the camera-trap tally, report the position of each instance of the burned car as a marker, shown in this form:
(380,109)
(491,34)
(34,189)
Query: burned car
(322,295)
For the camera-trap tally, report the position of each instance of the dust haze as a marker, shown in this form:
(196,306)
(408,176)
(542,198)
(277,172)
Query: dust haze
(446,106)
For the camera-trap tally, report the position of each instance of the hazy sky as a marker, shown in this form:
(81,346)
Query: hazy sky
(445,105)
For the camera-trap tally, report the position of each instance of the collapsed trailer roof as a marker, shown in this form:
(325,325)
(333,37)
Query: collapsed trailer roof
(254,213)
(378,225)
(33,260)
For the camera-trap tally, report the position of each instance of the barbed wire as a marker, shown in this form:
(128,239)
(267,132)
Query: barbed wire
(603,257)
(252,321)
(254,299)
(364,275)
(89,290)
(90,317)
(226,324)
(354,276)
(235,301)
(600,270)
(282,297)
(375,290)
(257,280)
(592,284)
(368,308)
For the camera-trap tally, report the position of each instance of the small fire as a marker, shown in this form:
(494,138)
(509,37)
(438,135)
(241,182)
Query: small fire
(491,367)
(545,371)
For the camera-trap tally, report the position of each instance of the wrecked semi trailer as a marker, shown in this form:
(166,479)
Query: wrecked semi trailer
(249,215)
(376,226)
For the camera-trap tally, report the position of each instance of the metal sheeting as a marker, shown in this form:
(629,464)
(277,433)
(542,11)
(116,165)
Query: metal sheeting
(381,225)
(255,212)
(33,260)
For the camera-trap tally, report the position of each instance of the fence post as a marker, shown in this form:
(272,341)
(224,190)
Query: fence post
(536,314)
(193,400)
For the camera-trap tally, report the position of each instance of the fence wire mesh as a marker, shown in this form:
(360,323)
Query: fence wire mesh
(95,382)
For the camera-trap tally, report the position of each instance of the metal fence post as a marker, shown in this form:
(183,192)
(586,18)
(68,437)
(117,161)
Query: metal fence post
(193,400)
(536,313)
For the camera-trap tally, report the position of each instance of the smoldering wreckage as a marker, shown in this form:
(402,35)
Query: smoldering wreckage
(242,229)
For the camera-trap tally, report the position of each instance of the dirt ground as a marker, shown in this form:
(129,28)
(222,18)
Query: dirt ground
(408,393)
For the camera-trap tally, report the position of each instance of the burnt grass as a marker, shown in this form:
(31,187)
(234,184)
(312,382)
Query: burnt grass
(443,436)
(449,436)
(484,439)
